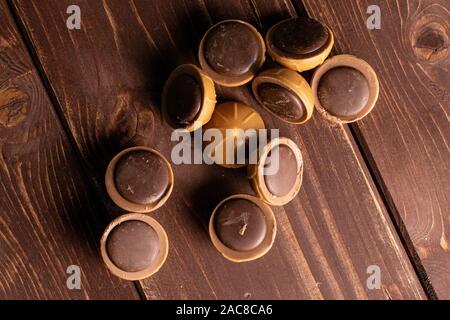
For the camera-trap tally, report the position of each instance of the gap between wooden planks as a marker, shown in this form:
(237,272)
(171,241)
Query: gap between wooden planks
(109,95)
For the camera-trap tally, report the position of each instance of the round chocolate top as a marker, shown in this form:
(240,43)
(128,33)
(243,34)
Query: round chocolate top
(231,48)
(343,91)
(300,36)
(184,100)
(132,245)
(282,181)
(240,224)
(281,101)
(141,177)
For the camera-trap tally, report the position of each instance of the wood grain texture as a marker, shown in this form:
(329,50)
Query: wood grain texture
(406,137)
(107,78)
(47,218)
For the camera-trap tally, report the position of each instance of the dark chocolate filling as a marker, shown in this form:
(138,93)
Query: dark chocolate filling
(299,37)
(132,245)
(343,91)
(281,101)
(141,177)
(231,49)
(283,180)
(240,224)
(184,100)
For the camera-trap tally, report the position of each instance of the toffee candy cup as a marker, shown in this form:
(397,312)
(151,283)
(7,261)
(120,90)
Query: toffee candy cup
(231,52)
(134,246)
(285,94)
(247,228)
(279,187)
(139,179)
(188,98)
(229,116)
(345,89)
(299,43)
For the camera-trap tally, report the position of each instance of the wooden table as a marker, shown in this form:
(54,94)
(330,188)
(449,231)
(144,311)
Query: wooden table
(374,193)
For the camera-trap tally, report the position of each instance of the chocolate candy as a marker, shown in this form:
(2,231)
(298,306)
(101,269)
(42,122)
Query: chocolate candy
(346,89)
(240,224)
(343,91)
(283,181)
(134,246)
(231,52)
(285,94)
(300,36)
(226,36)
(282,101)
(299,43)
(188,98)
(139,179)
(226,117)
(184,100)
(277,175)
(242,228)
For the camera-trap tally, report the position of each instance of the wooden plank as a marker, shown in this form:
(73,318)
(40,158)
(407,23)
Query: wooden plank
(48,220)
(405,138)
(118,62)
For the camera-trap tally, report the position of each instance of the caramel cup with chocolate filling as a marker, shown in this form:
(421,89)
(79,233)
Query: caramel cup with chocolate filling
(345,89)
(299,43)
(188,98)
(285,94)
(231,52)
(235,122)
(139,179)
(277,176)
(134,246)
(242,228)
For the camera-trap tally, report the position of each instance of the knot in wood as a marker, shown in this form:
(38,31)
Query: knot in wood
(14,106)
(431,45)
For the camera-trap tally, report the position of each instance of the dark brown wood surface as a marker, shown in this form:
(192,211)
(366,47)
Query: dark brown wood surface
(405,138)
(106,81)
(48,219)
